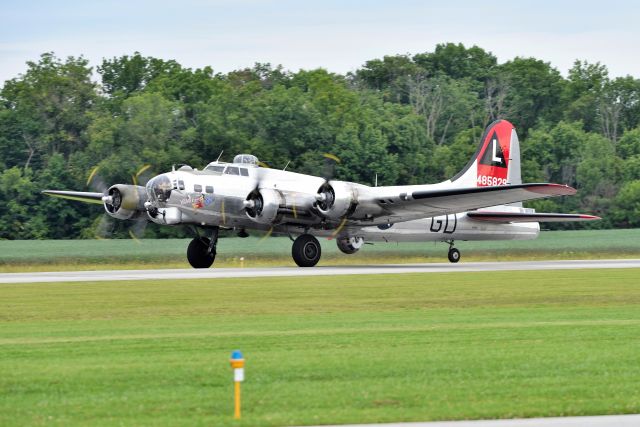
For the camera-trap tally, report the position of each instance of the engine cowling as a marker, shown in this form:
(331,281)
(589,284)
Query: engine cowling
(125,201)
(336,199)
(350,245)
(262,205)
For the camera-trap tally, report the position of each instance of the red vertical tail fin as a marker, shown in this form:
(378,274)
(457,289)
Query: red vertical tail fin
(496,161)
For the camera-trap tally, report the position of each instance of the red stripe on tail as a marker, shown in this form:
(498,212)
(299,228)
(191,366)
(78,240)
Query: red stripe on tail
(493,157)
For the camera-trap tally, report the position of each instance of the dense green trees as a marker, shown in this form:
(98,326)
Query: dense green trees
(406,119)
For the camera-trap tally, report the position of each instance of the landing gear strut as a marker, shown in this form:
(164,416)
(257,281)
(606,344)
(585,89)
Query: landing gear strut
(202,250)
(306,250)
(454,254)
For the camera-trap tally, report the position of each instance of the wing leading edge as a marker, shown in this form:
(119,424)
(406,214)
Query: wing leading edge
(80,196)
(504,217)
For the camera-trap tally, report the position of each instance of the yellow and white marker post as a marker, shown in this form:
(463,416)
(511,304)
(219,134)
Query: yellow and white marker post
(237,363)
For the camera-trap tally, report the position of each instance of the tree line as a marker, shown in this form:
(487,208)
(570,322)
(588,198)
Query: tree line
(405,119)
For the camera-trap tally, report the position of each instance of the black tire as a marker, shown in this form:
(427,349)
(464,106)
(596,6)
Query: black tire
(198,253)
(454,255)
(345,246)
(306,250)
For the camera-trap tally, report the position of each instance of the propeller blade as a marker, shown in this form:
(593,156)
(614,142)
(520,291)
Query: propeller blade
(266,236)
(340,227)
(138,177)
(92,174)
(330,162)
(133,237)
(293,206)
(137,228)
(104,228)
(95,182)
(331,157)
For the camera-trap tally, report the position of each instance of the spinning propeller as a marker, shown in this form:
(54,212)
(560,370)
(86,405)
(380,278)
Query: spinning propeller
(326,197)
(254,203)
(113,200)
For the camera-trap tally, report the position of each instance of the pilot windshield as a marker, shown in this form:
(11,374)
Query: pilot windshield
(159,189)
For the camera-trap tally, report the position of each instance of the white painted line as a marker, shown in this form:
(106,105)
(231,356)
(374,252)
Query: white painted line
(595,421)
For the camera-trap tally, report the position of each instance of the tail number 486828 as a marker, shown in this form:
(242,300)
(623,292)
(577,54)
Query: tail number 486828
(484,180)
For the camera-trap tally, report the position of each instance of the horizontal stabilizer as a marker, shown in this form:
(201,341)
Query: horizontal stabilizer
(528,217)
(80,196)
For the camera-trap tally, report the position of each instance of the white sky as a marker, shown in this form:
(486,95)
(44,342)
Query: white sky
(337,35)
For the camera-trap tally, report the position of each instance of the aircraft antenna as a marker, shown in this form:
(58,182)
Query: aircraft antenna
(285,166)
(220,155)
(376,181)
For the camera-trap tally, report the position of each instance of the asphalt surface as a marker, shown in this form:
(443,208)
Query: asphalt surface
(218,273)
(596,421)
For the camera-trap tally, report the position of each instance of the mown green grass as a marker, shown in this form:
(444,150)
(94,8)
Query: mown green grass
(321,350)
(276,251)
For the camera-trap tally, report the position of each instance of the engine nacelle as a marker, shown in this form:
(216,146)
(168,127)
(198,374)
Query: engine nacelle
(349,245)
(125,201)
(336,199)
(262,205)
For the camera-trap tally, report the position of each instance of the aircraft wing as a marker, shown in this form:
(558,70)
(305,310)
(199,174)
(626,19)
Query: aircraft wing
(81,196)
(423,203)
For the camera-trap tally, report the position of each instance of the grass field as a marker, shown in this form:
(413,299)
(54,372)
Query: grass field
(276,251)
(321,350)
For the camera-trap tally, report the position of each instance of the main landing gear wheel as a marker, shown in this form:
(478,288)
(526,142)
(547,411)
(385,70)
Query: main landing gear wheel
(454,255)
(306,250)
(199,253)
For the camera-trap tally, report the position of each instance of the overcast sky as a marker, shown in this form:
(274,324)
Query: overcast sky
(337,35)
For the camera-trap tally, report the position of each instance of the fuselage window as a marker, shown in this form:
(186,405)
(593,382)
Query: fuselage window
(181,185)
(197,188)
(244,172)
(232,170)
(209,189)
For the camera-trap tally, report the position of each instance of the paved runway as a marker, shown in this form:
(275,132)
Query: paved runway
(597,421)
(216,273)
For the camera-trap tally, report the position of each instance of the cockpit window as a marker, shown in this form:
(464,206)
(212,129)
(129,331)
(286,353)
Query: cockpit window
(244,172)
(159,189)
(232,170)
(215,168)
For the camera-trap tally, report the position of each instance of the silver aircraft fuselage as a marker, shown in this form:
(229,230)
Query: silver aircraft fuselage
(209,199)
